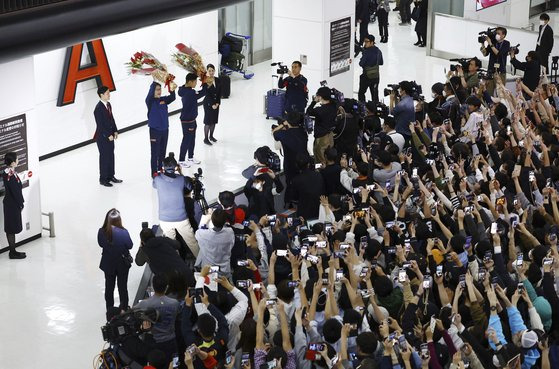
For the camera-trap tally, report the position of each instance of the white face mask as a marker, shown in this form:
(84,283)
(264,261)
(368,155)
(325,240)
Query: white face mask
(542,23)
(257,186)
(498,37)
(433,95)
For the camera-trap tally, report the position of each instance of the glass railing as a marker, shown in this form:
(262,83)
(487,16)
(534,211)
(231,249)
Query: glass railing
(541,6)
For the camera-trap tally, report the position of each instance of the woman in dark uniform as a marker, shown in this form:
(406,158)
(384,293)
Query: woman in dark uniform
(211,106)
(13,204)
(421,25)
(116,242)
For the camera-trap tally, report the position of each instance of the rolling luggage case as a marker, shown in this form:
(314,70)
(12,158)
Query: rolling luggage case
(274,103)
(225,85)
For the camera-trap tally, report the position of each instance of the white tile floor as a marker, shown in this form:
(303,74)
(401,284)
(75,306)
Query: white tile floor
(52,303)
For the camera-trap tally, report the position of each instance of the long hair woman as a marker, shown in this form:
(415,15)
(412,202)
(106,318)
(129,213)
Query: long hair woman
(212,101)
(115,241)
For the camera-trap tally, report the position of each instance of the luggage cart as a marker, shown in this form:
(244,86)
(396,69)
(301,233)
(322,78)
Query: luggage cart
(233,49)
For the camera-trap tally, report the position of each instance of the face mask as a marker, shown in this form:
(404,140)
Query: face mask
(433,95)
(498,37)
(542,23)
(257,186)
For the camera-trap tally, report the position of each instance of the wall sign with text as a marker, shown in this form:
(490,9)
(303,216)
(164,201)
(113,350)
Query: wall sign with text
(340,46)
(74,73)
(13,137)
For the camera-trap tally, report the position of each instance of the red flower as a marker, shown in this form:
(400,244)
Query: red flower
(138,55)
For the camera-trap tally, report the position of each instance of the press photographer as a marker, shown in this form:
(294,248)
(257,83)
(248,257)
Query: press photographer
(296,94)
(531,68)
(325,121)
(401,105)
(467,69)
(497,48)
(293,138)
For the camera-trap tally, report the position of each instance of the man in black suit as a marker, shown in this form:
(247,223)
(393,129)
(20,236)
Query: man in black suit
(105,134)
(531,69)
(545,41)
(363,17)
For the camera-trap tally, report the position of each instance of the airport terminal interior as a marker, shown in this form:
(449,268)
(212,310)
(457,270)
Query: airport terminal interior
(53,301)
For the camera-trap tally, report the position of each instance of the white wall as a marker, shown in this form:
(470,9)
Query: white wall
(513,13)
(459,37)
(16,73)
(60,127)
(306,31)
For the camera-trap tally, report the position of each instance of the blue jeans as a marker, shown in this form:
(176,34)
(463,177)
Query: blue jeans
(188,140)
(158,140)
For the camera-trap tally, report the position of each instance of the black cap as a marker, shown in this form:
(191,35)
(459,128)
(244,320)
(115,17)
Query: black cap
(370,37)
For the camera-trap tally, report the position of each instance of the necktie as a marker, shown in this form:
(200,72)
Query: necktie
(109,109)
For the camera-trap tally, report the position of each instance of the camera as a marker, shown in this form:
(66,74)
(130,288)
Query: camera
(128,324)
(198,191)
(462,62)
(392,88)
(380,110)
(514,49)
(336,95)
(485,74)
(491,33)
(282,69)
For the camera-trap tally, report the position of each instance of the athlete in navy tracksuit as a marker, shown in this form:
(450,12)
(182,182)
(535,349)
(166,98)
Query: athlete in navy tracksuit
(158,123)
(189,114)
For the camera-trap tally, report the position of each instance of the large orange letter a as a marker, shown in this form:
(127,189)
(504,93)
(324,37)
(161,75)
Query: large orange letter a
(74,73)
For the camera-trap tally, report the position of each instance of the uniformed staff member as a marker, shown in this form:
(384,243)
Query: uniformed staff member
(105,136)
(296,94)
(13,204)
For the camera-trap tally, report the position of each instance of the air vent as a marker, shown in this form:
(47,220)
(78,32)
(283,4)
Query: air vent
(9,6)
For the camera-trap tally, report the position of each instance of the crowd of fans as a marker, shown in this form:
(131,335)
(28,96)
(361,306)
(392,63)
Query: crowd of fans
(423,234)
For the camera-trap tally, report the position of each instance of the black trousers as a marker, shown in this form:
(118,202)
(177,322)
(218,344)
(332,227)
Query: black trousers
(405,11)
(188,140)
(544,61)
(106,158)
(364,84)
(121,278)
(158,143)
(363,31)
(382,23)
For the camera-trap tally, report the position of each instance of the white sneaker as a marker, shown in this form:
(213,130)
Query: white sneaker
(194,161)
(186,164)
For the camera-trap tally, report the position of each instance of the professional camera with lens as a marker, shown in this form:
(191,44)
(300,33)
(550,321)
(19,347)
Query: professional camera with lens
(491,33)
(380,110)
(485,75)
(335,94)
(392,88)
(127,325)
(515,49)
(282,69)
(463,62)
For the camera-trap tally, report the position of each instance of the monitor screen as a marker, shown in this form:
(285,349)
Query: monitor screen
(484,4)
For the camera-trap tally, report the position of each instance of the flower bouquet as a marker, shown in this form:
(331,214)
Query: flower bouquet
(146,64)
(190,60)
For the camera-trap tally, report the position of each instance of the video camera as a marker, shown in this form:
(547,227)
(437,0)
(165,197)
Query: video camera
(336,95)
(515,49)
(462,62)
(485,74)
(198,190)
(381,110)
(282,69)
(127,325)
(491,33)
(416,91)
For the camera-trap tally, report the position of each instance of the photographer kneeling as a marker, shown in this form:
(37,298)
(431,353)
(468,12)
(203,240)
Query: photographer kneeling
(531,68)
(403,110)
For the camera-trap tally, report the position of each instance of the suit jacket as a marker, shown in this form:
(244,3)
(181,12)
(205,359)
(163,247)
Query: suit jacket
(111,259)
(362,11)
(546,40)
(105,121)
(531,72)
